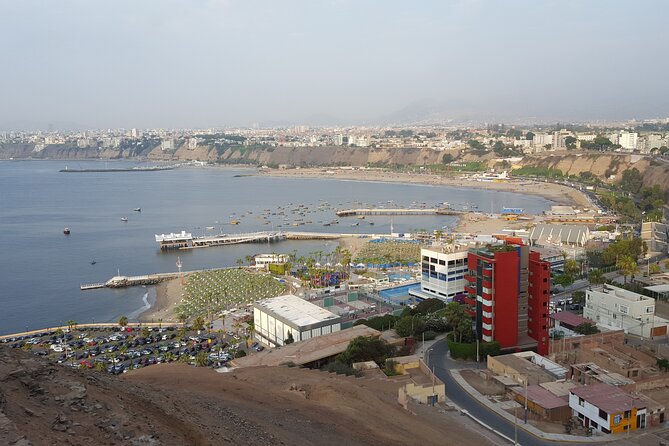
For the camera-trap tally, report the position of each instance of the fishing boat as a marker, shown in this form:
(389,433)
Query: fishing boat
(66,231)
(93,262)
(234,222)
(137,209)
(124,219)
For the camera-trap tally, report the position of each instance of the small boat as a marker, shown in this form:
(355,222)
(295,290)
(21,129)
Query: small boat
(210,228)
(124,219)
(234,222)
(137,209)
(93,262)
(371,223)
(66,231)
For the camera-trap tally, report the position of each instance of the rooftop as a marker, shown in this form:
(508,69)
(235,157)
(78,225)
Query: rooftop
(541,396)
(571,318)
(296,310)
(629,296)
(608,398)
(305,352)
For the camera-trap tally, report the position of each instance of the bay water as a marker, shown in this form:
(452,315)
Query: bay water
(41,269)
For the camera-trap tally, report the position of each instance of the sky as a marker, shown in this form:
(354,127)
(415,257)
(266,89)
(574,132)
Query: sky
(218,63)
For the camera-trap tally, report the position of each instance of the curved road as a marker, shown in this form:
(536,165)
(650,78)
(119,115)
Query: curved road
(442,363)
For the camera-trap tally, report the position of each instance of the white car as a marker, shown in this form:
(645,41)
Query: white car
(57,348)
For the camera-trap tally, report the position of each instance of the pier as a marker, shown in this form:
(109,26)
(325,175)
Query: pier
(185,240)
(397,211)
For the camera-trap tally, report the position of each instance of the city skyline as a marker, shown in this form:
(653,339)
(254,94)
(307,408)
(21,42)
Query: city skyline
(211,63)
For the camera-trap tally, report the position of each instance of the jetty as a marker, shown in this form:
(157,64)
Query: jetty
(398,211)
(127,281)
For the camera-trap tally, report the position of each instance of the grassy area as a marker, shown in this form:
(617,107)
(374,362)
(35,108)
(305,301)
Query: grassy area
(213,291)
(388,252)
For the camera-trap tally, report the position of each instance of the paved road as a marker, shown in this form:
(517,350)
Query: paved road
(438,358)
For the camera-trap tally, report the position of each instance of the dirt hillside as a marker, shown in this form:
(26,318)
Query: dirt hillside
(174,404)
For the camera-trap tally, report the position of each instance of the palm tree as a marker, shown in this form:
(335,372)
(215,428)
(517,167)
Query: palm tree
(596,276)
(627,266)
(240,262)
(71,324)
(198,323)
(123,321)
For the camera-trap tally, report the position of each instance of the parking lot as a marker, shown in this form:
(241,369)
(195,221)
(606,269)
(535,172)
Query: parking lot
(118,349)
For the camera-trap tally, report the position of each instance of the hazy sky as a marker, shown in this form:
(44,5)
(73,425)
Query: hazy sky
(201,63)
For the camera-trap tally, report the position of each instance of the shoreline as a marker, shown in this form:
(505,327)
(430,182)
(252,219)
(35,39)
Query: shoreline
(165,296)
(556,193)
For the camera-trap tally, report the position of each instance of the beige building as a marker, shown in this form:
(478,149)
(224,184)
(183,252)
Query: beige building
(614,308)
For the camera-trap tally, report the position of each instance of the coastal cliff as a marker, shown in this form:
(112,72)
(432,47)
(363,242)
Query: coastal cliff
(606,166)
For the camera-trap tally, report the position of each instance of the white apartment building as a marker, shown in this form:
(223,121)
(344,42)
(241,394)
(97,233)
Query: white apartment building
(443,273)
(614,308)
(541,139)
(628,140)
(274,318)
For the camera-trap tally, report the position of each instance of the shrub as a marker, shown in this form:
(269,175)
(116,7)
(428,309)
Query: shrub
(341,368)
(461,350)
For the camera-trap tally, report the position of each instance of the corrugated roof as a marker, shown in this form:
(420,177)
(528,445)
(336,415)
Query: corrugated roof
(541,397)
(608,398)
(571,318)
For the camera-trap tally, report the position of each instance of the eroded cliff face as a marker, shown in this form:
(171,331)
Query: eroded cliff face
(603,165)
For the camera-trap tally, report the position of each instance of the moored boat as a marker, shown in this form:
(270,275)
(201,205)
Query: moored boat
(66,231)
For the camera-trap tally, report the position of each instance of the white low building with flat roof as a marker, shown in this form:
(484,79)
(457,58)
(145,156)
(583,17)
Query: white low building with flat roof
(615,308)
(276,317)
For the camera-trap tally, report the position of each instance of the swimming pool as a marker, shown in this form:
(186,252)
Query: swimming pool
(399,295)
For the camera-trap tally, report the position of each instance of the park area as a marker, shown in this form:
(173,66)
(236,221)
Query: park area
(382,253)
(213,291)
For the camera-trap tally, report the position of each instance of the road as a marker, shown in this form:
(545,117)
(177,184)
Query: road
(438,358)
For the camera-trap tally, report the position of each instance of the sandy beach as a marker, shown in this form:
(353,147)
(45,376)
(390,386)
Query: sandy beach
(557,193)
(168,296)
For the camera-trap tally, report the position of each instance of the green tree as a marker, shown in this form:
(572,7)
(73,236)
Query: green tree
(596,276)
(366,349)
(632,180)
(198,323)
(578,297)
(71,324)
(201,359)
(530,136)
(447,158)
(572,267)
(586,328)
(459,320)
(122,321)
(570,142)
(427,306)
(627,266)
(289,339)
(409,326)
(655,268)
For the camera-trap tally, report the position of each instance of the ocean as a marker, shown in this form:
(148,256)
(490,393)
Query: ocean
(41,269)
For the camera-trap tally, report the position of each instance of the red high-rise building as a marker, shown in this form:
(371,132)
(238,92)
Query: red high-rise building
(507,293)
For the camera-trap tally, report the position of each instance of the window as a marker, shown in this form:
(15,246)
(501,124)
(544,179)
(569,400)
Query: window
(603,415)
(624,309)
(617,419)
(581,401)
(628,413)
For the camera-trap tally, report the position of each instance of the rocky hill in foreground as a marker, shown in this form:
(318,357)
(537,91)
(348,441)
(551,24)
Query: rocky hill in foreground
(175,404)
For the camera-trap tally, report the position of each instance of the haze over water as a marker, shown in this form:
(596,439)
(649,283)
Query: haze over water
(41,269)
